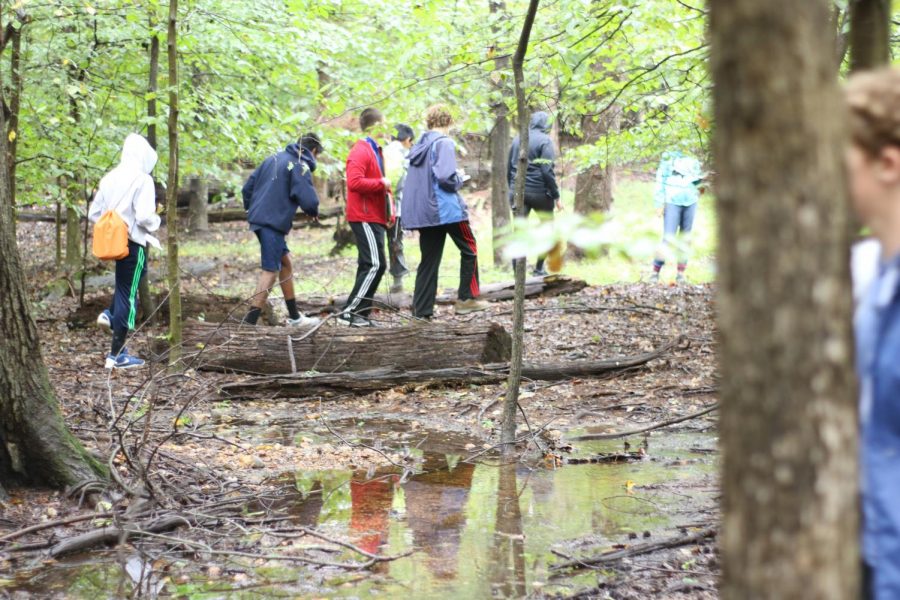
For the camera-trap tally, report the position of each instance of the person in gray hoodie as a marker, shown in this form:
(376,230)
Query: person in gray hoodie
(128,189)
(541,190)
(433,206)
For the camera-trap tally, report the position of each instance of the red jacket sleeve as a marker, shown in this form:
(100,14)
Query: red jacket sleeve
(359,163)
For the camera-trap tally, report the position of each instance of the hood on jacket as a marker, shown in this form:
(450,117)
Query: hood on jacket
(138,154)
(418,152)
(540,120)
(304,154)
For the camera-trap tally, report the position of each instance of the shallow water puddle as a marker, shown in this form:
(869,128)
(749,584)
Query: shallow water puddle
(475,530)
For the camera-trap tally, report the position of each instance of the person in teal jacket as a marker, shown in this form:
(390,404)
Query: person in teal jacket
(677,193)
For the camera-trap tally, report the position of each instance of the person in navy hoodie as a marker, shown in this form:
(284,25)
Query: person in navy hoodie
(368,196)
(433,206)
(272,194)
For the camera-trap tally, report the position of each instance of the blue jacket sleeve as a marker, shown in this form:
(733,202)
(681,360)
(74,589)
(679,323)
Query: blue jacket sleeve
(302,190)
(445,166)
(247,190)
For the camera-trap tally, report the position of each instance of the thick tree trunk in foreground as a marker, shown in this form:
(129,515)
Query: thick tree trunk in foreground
(35,445)
(870,33)
(362,382)
(281,350)
(788,415)
(174,277)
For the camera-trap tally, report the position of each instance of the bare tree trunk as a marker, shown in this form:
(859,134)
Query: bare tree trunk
(788,416)
(152,87)
(508,431)
(594,187)
(198,209)
(148,300)
(73,238)
(174,279)
(58,231)
(870,33)
(15,102)
(499,142)
(35,445)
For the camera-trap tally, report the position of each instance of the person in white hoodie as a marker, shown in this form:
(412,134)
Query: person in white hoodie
(128,189)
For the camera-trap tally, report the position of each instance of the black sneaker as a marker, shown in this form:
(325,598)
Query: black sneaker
(542,272)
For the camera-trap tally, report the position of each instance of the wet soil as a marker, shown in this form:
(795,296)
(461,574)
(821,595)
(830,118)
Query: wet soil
(411,469)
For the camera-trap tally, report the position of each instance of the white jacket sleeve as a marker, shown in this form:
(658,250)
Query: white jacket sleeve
(145,206)
(97,207)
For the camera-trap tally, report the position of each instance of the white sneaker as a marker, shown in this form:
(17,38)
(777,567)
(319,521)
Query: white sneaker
(104,319)
(303,321)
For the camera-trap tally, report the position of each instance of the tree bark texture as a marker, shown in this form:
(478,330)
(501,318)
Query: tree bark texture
(594,186)
(870,33)
(372,380)
(35,445)
(73,237)
(511,402)
(499,143)
(152,86)
(788,415)
(282,350)
(15,103)
(198,210)
(174,278)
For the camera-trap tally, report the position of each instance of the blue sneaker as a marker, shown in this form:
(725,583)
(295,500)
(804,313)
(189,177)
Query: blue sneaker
(104,319)
(123,361)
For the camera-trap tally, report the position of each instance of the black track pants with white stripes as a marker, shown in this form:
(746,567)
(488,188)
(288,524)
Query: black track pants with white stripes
(371,265)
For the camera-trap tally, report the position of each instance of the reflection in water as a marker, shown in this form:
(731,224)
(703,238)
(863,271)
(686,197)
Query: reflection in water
(435,505)
(508,549)
(370,509)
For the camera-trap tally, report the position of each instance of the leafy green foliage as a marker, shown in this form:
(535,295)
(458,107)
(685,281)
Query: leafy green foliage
(257,74)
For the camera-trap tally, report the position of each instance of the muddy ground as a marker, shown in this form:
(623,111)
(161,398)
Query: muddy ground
(405,470)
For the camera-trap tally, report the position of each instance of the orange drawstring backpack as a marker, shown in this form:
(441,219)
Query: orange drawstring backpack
(110,237)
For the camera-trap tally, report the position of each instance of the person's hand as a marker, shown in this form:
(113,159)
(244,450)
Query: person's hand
(387,184)
(559,205)
(659,211)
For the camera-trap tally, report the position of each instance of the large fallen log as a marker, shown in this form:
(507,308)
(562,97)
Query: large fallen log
(224,215)
(283,350)
(302,385)
(549,286)
(215,215)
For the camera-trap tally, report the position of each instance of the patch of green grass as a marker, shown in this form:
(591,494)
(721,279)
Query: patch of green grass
(628,259)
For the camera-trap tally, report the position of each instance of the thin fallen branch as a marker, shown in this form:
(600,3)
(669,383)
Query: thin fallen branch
(51,524)
(112,534)
(635,550)
(615,436)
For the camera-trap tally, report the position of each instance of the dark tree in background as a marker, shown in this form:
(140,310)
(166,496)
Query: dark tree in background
(870,33)
(788,417)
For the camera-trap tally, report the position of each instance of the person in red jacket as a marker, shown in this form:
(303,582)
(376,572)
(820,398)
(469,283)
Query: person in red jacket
(368,197)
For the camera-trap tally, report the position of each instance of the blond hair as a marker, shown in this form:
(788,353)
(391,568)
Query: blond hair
(873,99)
(438,117)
